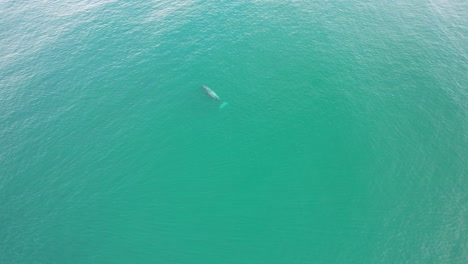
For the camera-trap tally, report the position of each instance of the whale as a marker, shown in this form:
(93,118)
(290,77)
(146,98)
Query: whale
(214,96)
(211,93)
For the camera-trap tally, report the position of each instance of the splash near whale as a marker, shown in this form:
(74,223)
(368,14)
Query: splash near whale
(213,95)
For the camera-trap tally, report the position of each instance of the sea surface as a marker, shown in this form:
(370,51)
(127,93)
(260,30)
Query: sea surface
(345,137)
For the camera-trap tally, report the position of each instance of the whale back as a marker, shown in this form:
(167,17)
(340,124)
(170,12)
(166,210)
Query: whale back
(211,93)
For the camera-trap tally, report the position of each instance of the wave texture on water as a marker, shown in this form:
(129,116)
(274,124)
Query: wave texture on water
(345,139)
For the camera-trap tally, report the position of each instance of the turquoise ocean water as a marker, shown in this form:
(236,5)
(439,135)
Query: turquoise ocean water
(345,139)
